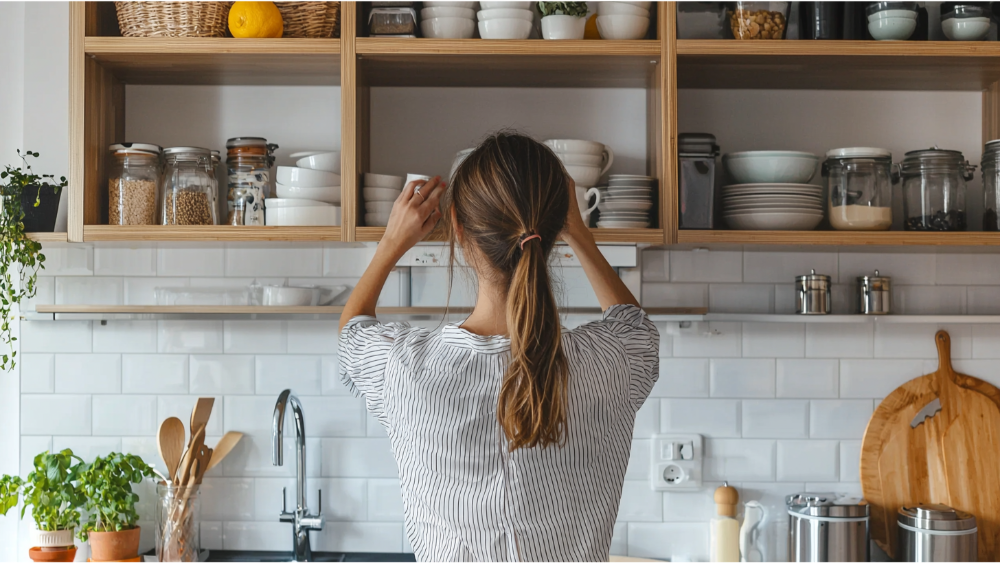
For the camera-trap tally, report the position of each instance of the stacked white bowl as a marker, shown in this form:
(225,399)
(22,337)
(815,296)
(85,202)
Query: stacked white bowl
(505,20)
(448,20)
(380,192)
(307,194)
(772,193)
(585,161)
(897,23)
(626,203)
(623,20)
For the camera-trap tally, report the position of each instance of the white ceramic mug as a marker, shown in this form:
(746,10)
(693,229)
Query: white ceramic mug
(412,177)
(583,197)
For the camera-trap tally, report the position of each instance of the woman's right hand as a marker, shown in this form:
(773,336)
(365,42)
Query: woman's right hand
(414,214)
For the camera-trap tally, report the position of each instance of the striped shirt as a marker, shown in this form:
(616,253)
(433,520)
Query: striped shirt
(465,497)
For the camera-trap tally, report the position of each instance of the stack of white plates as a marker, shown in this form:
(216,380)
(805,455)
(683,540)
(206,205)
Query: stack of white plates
(626,203)
(380,191)
(772,207)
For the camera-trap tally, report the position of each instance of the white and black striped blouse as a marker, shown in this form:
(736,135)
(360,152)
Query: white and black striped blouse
(466,498)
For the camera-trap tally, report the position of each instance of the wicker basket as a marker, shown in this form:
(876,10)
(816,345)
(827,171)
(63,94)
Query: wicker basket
(173,19)
(310,19)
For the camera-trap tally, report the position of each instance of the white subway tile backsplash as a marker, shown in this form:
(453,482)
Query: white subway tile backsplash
(983,300)
(218,374)
(739,460)
(722,341)
(742,378)
(674,541)
(339,262)
(681,377)
(674,295)
(330,372)
(252,458)
(69,260)
(45,294)
(850,460)
(334,416)
(784,299)
(741,298)
(148,449)
(291,259)
(154,373)
(385,500)
(966,269)
(844,488)
(985,341)
(255,337)
(874,379)
(382,537)
(783,267)
(274,374)
(313,337)
(808,460)
(211,535)
(126,415)
(639,504)
(358,457)
(717,418)
(89,291)
(691,506)
(917,340)
(62,337)
(227,499)
(619,540)
(194,337)
(776,419)
(190,261)
(903,268)
(808,379)
(928,300)
(773,340)
(835,340)
(135,337)
(718,266)
(38,373)
(638,461)
(656,265)
(250,414)
(122,261)
(47,415)
(31,446)
(88,373)
(647,419)
(142,291)
(846,419)
(265,536)
(87,447)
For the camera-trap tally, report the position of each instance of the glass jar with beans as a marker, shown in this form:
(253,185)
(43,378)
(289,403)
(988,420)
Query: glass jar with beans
(189,187)
(133,176)
(934,186)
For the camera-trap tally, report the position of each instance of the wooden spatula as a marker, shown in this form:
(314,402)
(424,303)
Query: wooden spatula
(200,414)
(222,449)
(183,474)
(170,441)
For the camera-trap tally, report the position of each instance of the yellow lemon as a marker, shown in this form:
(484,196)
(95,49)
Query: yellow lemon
(255,19)
(589,31)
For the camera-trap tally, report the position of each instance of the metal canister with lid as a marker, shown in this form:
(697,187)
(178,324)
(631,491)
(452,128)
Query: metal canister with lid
(874,295)
(812,294)
(825,527)
(935,532)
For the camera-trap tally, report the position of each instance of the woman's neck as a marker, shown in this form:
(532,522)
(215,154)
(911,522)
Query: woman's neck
(489,318)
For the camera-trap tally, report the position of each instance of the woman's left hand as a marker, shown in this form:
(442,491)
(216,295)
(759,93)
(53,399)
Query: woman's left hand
(414,214)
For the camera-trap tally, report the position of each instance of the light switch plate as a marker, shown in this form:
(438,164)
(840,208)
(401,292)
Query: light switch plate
(676,462)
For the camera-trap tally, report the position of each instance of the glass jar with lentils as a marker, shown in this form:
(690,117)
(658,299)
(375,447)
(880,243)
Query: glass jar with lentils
(189,187)
(133,177)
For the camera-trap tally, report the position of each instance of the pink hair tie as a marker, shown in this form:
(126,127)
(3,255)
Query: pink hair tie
(530,237)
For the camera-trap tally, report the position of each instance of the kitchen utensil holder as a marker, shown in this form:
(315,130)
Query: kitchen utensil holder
(178,526)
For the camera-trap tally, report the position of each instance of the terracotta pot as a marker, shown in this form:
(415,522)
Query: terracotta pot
(65,554)
(114,546)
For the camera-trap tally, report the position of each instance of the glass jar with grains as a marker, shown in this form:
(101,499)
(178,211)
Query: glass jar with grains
(758,20)
(248,165)
(189,187)
(133,176)
(860,182)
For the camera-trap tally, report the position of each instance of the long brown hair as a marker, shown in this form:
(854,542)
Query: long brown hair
(511,188)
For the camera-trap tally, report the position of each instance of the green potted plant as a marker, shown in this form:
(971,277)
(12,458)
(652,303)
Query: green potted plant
(111,527)
(27,199)
(563,20)
(52,493)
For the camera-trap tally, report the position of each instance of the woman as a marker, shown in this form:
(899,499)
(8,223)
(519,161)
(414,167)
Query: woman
(511,435)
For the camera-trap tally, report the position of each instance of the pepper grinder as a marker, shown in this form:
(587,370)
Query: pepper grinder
(725,528)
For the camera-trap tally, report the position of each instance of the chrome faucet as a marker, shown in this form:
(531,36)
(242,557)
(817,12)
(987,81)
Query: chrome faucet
(302,522)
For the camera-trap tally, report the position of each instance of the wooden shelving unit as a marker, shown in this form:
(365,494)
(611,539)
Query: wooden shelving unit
(48,237)
(208,233)
(837,238)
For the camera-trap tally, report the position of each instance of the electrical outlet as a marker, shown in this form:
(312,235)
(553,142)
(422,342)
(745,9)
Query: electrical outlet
(676,462)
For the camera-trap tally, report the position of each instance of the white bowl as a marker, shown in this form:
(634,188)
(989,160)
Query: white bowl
(574,146)
(580,159)
(376,219)
(966,29)
(329,194)
(439,4)
(909,14)
(622,27)
(326,161)
(277,202)
(302,216)
(560,27)
(379,206)
(447,12)
(501,5)
(381,194)
(383,181)
(448,28)
(584,176)
(306,178)
(620,9)
(892,29)
(505,14)
(280,296)
(770,167)
(797,221)
(505,29)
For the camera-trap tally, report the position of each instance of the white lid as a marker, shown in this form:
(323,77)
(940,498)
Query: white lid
(858,152)
(143,147)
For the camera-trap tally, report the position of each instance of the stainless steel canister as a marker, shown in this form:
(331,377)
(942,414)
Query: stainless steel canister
(935,532)
(812,294)
(825,527)
(874,295)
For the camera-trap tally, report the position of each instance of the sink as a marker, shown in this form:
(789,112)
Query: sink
(235,555)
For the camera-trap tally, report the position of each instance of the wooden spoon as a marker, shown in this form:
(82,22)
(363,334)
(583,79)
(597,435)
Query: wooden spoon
(170,441)
(199,415)
(222,449)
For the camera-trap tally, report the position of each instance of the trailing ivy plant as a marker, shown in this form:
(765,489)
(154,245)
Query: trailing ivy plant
(107,485)
(578,9)
(50,490)
(20,257)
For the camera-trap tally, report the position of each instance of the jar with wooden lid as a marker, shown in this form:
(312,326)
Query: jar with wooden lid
(248,165)
(189,187)
(133,176)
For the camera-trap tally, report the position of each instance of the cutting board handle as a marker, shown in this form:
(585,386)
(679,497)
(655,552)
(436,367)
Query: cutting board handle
(943,341)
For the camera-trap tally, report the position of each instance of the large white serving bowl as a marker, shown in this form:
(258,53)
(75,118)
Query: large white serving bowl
(505,29)
(505,14)
(439,4)
(302,216)
(575,146)
(584,176)
(379,206)
(384,181)
(495,5)
(620,9)
(328,194)
(448,28)
(447,12)
(325,161)
(622,27)
(276,202)
(892,29)
(381,194)
(966,29)
(778,221)
(580,159)
(771,167)
(306,178)
(376,219)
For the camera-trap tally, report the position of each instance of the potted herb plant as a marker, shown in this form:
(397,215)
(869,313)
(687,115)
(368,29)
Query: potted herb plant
(107,485)
(30,202)
(563,20)
(55,500)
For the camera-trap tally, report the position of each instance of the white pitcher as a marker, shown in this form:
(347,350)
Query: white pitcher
(753,543)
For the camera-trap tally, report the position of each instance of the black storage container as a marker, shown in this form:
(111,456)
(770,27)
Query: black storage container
(697,153)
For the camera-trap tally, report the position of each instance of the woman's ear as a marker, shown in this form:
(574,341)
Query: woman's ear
(459,233)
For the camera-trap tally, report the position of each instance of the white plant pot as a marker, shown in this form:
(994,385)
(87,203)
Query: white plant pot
(59,538)
(563,27)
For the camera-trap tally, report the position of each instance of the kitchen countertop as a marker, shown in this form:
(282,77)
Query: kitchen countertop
(359,556)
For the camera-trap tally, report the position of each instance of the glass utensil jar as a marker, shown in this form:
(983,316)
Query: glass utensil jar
(248,164)
(934,189)
(133,176)
(991,186)
(860,182)
(178,515)
(189,187)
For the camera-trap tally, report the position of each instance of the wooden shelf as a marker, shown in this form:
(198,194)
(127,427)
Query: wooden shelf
(652,236)
(217,60)
(838,65)
(208,233)
(838,238)
(529,63)
(47,237)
